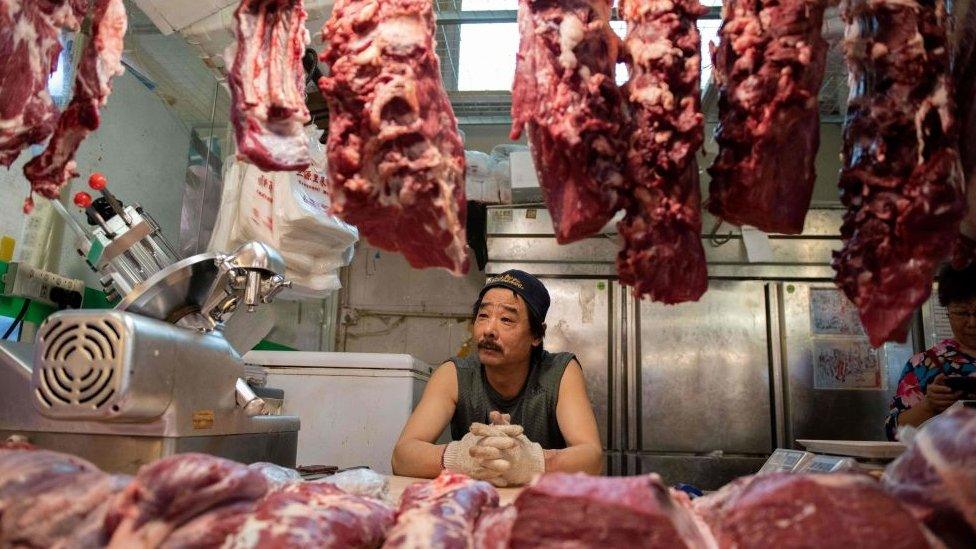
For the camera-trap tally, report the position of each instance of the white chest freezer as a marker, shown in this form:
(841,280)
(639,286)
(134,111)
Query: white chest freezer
(352,406)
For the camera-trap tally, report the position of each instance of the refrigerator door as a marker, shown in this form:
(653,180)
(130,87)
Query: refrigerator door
(578,322)
(704,373)
(837,386)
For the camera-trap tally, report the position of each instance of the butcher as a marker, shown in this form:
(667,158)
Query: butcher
(935,379)
(515,410)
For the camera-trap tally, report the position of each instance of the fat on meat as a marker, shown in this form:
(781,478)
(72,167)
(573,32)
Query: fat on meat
(662,255)
(267,84)
(900,176)
(101,60)
(29,51)
(769,66)
(441,513)
(566,98)
(396,160)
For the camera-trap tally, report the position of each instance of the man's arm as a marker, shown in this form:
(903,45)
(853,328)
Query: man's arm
(415,454)
(574,413)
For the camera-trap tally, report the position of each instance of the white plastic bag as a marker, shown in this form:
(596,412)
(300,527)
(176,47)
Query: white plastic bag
(290,212)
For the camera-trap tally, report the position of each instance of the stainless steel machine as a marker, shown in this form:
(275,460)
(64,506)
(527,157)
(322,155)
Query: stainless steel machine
(161,373)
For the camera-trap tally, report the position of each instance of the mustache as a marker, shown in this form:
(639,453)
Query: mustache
(489,346)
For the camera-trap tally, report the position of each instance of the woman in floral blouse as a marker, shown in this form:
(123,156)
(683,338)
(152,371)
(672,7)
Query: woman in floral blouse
(922,391)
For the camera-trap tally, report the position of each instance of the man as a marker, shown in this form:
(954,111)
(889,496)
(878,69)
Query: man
(535,401)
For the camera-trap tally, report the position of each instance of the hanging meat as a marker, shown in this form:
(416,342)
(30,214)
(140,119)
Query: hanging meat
(267,84)
(900,177)
(29,43)
(566,97)
(29,49)
(769,66)
(662,255)
(965,80)
(396,161)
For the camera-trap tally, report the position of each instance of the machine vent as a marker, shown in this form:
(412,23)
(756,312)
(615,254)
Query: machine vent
(78,366)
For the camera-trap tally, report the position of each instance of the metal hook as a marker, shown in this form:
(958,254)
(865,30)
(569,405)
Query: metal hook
(713,238)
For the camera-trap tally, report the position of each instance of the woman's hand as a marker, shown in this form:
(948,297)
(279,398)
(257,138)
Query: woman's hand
(938,396)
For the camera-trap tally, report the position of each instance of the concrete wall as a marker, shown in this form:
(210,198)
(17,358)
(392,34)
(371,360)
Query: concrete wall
(141,147)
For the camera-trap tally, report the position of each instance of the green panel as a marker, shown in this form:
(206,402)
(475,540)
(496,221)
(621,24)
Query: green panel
(266,345)
(94,299)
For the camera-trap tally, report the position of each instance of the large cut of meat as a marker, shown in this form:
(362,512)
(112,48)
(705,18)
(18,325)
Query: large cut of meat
(803,510)
(936,476)
(442,513)
(564,510)
(662,254)
(314,515)
(27,472)
(172,491)
(267,84)
(396,161)
(29,50)
(965,80)
(769,66)
(75,503)
(565,95)
(100,61)
(900,176)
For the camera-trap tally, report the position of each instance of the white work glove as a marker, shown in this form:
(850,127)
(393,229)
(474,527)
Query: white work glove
(525,458)
(478,454)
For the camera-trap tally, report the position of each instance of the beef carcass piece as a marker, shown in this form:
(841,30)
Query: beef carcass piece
(494,528)
(662,254)
(965,80)
(100,62)
(267,84)
(314,515)
(936,476)
(60,514)
(171,491)
(810,510)
(769,66)
(396,161)
(576,510)
(26,472)
(29,50)
(565,95)
(442,513)
(900,175)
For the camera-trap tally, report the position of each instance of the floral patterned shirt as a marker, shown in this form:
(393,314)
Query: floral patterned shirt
(921,369)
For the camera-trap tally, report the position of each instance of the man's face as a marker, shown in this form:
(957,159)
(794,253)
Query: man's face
(962,319)
(501,328)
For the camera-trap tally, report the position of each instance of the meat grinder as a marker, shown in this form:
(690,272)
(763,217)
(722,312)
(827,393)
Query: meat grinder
(160,373)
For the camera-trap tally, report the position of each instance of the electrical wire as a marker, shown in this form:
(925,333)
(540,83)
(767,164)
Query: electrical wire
(18,320)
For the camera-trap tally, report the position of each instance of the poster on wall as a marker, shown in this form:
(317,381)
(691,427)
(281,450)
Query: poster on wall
(831,313)
(846,363)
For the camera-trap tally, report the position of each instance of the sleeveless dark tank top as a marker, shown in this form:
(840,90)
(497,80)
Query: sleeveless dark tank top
(534,408)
